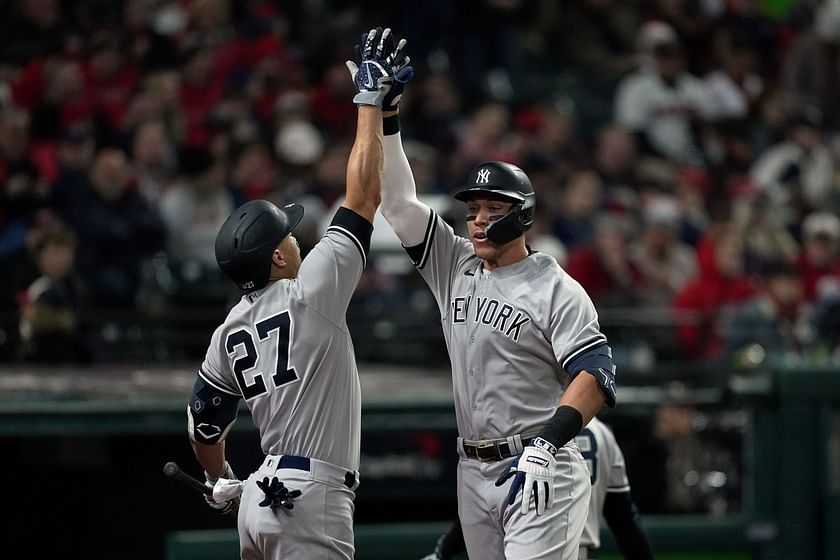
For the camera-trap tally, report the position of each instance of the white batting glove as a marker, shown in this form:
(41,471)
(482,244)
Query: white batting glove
(227,506)
(533,472)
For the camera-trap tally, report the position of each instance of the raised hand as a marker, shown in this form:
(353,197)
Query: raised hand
(372,74)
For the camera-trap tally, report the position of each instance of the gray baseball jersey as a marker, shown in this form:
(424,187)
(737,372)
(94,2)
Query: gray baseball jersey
(510,332)
(607,474)
(287,351)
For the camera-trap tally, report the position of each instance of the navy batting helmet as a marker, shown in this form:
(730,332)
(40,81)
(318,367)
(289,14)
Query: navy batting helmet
(509,182)
(248,238)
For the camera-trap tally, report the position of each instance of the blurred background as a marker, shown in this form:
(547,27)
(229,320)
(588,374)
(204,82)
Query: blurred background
(686,159)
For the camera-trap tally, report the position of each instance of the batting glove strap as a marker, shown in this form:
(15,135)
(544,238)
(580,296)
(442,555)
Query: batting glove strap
(373,83)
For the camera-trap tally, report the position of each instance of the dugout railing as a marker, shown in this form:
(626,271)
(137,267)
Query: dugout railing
(87,446)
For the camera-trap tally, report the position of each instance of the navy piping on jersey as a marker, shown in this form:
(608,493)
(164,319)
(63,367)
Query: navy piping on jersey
(591,343)
(355,228)
(419,254)
(206,378)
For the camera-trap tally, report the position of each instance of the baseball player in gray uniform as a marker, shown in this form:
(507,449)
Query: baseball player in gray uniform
(530,366)
(286,350)
(610,499)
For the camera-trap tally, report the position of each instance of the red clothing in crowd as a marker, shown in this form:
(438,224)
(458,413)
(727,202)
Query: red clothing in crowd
(586,266)
(698,307)
(111,95)
(812,276)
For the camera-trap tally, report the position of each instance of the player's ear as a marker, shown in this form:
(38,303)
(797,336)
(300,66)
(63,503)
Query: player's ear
(278,258)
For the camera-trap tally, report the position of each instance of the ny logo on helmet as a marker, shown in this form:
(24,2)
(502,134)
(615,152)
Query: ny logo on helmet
(483,176)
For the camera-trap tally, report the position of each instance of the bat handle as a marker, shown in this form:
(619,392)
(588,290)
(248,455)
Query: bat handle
(172,470)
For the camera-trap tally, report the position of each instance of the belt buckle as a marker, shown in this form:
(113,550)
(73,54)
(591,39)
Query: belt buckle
(487,445)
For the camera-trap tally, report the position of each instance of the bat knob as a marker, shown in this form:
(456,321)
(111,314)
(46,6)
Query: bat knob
(171,469)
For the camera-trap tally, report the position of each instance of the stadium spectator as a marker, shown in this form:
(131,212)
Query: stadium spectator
(605,269)
(766,238)
(579,201)
(154,159)
(110,78)
(117,230)
(797,173)
(486,136)
(819,260)
(665,263)
(32,29)
(660,102)
(194,209)
(74,154)
(705,303)
(50,326)
(733,86)
(615,158)
(263,88)
(777,319)
(594,37)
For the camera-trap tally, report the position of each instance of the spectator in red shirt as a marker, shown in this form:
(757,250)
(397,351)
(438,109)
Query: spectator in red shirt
(202,87)
(604,268)
(705,302)
(819,261)
(110,79)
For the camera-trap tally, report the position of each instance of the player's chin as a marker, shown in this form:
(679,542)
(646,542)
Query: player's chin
(484,248)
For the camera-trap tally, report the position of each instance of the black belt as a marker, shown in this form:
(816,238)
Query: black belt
(492,449)
(302,463)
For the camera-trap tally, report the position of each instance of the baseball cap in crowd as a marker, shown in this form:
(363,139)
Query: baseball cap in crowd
(657,38)
(299,143)
(821,224)
(808,115)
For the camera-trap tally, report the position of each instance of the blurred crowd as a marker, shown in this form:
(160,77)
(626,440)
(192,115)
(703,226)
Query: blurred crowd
(685,154)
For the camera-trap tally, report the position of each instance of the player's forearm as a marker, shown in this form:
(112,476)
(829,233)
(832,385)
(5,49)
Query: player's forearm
(364,168)
(585,395)
(624,522)
(210,457)
(407,216)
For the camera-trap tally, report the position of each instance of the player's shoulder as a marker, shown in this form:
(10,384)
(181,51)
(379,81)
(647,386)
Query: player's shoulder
(602,432)
(552,273)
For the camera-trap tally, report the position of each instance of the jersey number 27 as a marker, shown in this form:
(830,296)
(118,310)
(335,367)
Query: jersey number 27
(282,375)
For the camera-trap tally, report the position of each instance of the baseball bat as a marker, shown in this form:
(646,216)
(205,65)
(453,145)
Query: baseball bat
(172,470)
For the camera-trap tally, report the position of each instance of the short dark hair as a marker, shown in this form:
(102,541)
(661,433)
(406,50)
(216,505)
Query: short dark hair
(61,235)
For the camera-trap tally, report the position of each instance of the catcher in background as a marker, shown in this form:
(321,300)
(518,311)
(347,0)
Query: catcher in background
(285,348)
(610,498)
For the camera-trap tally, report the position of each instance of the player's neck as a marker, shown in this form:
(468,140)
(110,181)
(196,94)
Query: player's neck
(513,254)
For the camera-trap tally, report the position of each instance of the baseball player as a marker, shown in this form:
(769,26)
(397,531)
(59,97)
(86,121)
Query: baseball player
(530,366)
(285,349)
(610,498)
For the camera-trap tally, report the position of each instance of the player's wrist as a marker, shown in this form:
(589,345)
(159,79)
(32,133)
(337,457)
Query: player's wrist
(566,423)
(226,472)
(373,98)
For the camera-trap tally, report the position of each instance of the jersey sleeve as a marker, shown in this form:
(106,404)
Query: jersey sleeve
(330,272)
(439,256)
(214,370)
(616,471)
(631,103)
(574,324)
